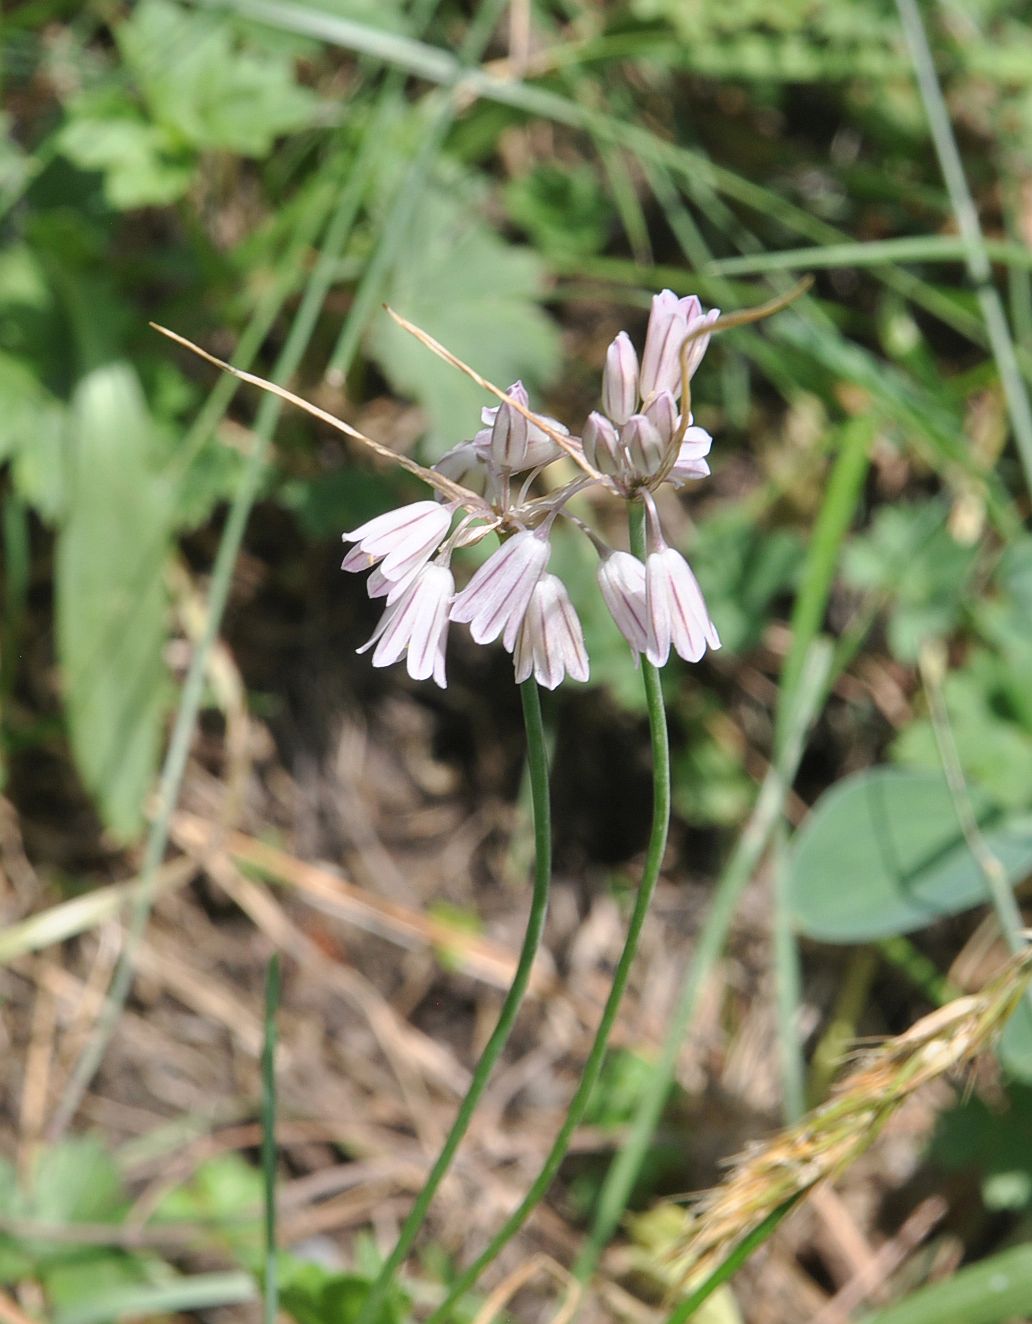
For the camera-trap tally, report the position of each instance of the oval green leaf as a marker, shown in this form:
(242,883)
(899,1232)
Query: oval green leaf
(882,853)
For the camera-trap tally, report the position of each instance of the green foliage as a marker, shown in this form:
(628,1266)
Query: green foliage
(623,1077)
(744,566)
(194,87)
(928,599)
(563,209)
(990,1142)
(883,853)
(224,1195)
(984,699)
(477,295)
(74,1182)
(998,1288)
(313,1295)
(711,787)
(111,611)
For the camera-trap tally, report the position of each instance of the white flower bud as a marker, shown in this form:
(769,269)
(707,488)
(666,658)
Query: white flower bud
(643,444)
(620,379)
(602,446)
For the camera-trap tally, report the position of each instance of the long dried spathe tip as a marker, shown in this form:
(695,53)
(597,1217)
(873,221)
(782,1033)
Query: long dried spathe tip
(452,490)
(560,439)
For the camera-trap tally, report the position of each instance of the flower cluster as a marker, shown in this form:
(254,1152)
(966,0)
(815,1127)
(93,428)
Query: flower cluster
(643,436)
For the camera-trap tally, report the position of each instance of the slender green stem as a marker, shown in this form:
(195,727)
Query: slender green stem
(270,1297)
(746,856)
(592,1067)
(537,766)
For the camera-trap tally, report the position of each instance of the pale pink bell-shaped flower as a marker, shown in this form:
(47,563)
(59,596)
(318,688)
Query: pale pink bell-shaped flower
(698,347)
(676,614)
(511,442)
(402,539)
(462,464)
(620,379)
(661,411)
(496,598)
(621,578)
(510,430)
(668,324)
(690,462)
(550,642)
(415,625)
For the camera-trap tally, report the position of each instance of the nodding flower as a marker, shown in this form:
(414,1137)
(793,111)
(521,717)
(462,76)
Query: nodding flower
(550,641)
(415,625)
(495,599)
(675,610)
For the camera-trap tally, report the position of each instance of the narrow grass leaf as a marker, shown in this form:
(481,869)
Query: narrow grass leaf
(270,1300)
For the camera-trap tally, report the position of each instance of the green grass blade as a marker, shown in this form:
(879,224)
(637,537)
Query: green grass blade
(733,1263)
(977,258)
(996,1289)
(270,1295)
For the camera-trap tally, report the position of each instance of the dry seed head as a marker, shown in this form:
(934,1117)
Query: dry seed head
(769,1173)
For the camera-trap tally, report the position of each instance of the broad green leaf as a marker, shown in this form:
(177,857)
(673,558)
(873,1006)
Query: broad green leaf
(477,295)
(996,1289)
(130,1297)
(111,624)
(33,428)
(882,853)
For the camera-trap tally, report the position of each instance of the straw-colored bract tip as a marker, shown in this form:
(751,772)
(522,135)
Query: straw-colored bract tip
(452,490)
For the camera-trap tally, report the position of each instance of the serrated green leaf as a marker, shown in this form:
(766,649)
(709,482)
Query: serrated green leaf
(111,624)
(882,853)
(928,599)
(142,164)
(563,209)
(477,295)
(203,88)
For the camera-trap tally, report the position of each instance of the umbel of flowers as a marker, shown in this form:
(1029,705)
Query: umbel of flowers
(642,437)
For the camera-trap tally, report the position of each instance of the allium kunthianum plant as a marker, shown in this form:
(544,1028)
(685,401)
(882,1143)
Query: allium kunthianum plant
(495,484)
(643,437)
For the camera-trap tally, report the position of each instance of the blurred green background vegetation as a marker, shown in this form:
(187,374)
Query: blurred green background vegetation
(261,176)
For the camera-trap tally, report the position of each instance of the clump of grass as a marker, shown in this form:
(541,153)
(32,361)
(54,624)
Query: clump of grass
(772,1175)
